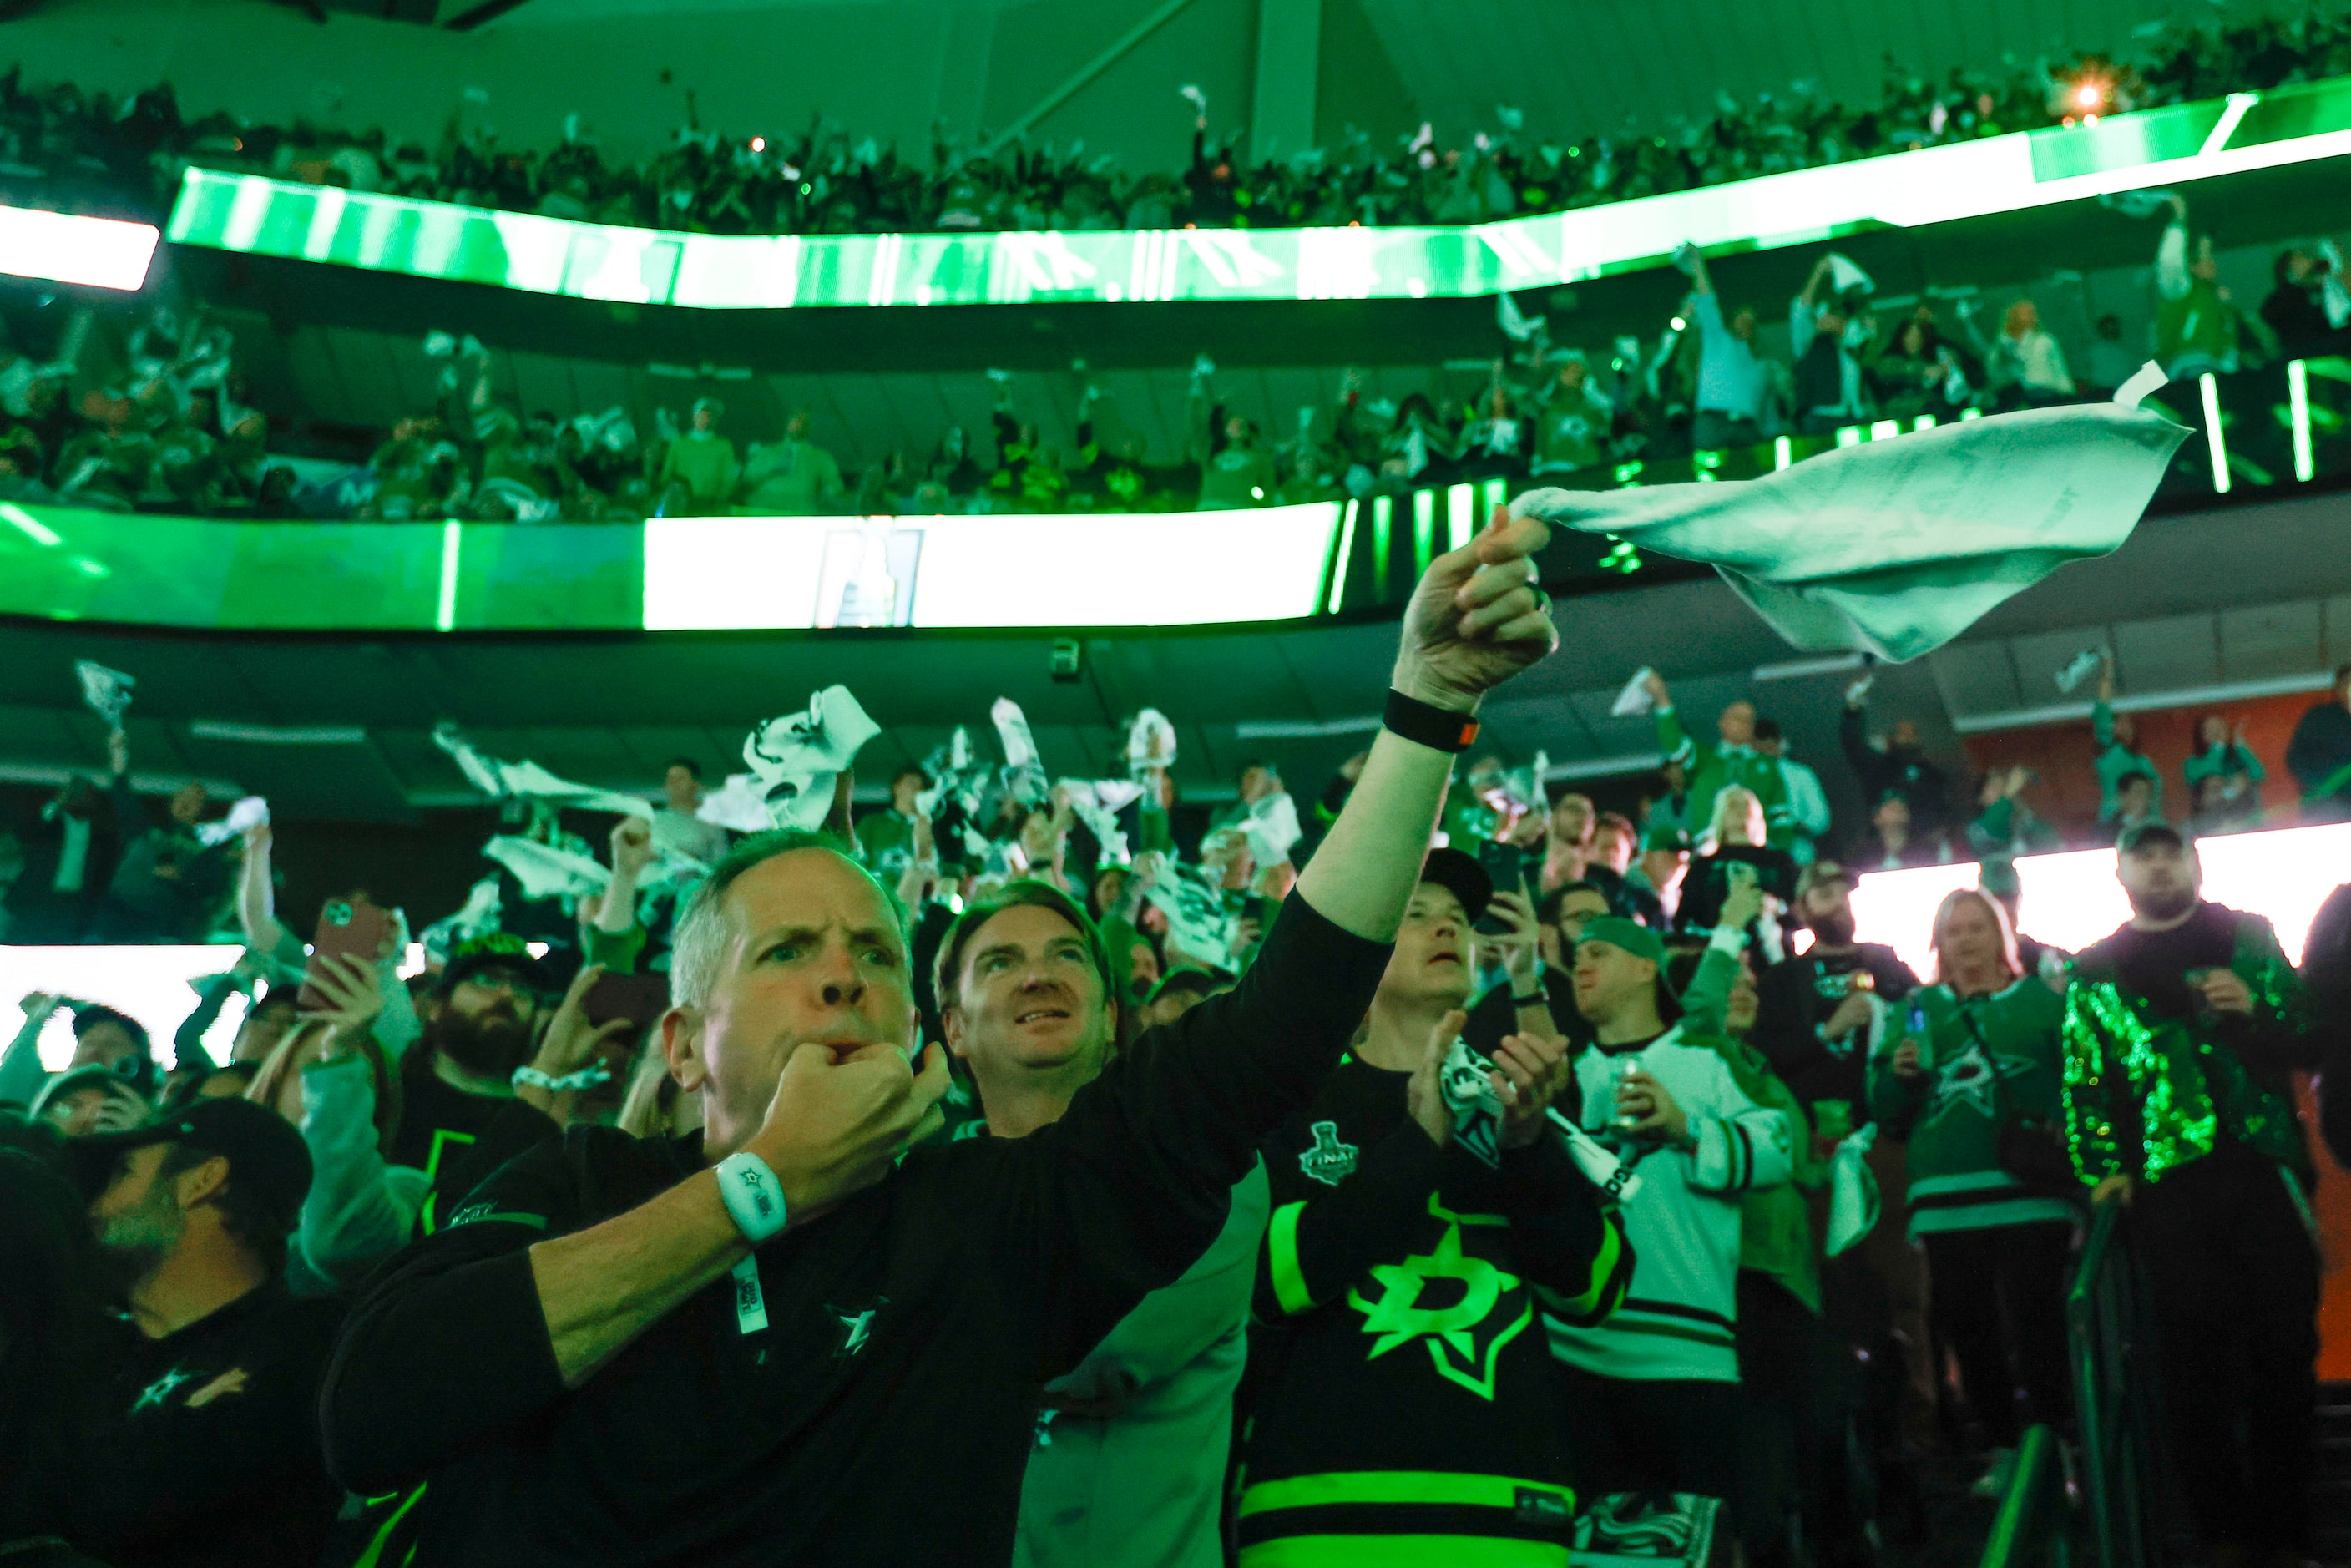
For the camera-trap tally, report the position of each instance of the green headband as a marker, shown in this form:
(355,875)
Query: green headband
(1630,936)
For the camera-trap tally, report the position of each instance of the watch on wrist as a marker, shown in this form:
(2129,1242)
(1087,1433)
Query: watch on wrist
(1425,723)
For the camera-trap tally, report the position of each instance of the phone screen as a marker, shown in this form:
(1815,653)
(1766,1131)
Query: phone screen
(1506,864)
(352,930)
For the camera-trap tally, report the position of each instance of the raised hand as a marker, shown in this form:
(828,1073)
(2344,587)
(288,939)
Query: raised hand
(354,996)
(1522,954)
(1742,903)
(1477,617)
(571,1043)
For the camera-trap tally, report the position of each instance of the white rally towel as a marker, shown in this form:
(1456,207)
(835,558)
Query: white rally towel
(2080,668)
(249,812)
(1197,921)
(1271,828)
(1846,277)
(1024,767)
(483,909)
(1635,699)
(959,779)
(1151,741)
(740,805)
(108,692)
(1853,1192)
(500,780)
(1895,547)
(798,757)
(547,871)
(1096,802)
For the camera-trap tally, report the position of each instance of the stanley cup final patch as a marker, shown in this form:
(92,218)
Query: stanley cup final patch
(1330,1161)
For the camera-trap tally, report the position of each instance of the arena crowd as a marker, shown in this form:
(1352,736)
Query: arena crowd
(1436,1165)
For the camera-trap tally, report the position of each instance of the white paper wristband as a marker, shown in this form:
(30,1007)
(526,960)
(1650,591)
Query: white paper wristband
(752,1195)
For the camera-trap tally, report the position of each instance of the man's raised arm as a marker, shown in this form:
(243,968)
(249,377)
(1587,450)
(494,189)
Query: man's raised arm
(1133,1178)
(1475,620)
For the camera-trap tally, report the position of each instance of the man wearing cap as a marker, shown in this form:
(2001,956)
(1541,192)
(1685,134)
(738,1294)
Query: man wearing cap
(2182,1030)
(1401,1273)
(1819,1012)
(199,1434)
(102,1038)
(459,1119)
(1649,1399)
(793,1336)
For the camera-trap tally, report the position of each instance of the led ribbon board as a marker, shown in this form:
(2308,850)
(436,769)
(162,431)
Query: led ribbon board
(1138,569)
(99,252)
(2073,899)
(260,216)
(1134,569)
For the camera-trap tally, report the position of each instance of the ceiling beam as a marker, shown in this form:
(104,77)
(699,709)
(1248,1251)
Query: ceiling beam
(487,11)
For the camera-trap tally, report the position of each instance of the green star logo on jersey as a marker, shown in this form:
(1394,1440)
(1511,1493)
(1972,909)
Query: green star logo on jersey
(151,1397)
(1466,1295)
(1972,1079)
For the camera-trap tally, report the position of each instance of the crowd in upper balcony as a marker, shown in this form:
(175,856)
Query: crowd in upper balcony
(827,179)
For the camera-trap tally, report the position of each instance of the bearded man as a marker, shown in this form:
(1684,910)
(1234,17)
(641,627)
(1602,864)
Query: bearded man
(2182,1030)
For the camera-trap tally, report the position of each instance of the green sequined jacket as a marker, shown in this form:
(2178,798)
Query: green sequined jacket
(2146,1095)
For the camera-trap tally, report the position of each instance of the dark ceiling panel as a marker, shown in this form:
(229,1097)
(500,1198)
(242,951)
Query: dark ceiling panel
(343,782)
(2270,639)
(2165,656)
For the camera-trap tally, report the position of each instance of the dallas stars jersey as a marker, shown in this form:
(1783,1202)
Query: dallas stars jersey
(1987,1059)
(1679,1316)
(1404,1405)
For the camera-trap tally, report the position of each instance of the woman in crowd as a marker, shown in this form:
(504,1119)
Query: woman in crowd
(1971,1081)
(1734,847)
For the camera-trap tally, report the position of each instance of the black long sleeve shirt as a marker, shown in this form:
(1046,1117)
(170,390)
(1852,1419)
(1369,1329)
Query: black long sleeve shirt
(202,1448)
(884,1412)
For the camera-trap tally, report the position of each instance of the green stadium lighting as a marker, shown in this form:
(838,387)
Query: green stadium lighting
(2297,386)
(2213,437)
(256,215)
(60,248)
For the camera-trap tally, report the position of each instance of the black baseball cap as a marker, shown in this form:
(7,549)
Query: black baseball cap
(2155,830)
(267,1158)
(499,950)
(1462,876)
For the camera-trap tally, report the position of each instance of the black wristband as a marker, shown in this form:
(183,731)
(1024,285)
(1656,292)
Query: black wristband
(1440,729)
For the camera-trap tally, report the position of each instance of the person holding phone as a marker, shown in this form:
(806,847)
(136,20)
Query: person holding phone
(1380,1203)
(1734,848)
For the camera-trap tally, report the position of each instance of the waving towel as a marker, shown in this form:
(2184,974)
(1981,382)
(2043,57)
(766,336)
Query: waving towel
(1894,548)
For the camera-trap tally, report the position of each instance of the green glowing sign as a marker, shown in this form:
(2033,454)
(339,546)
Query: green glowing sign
(260,216)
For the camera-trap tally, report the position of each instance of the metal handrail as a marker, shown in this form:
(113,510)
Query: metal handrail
(2105,1327)
(2105,1335)
(2031,1509)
